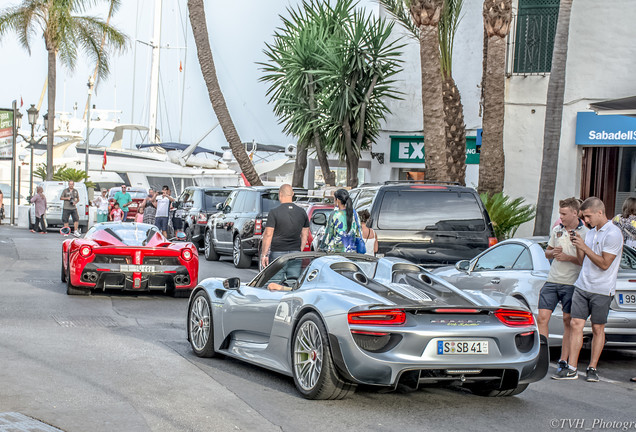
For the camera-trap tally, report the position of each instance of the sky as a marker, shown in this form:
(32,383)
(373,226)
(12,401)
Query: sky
(238,32)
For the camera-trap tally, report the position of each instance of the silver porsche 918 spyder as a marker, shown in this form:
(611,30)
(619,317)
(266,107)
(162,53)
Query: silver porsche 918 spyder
(344,320)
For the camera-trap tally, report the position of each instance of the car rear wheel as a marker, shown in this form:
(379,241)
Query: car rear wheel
(240,258)
(200,328)
(63,272)
(70,288)
(313,369)
(208,247)
(489,392)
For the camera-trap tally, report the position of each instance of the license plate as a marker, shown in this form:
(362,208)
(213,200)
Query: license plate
(137,268)
(626,298)
(462,347)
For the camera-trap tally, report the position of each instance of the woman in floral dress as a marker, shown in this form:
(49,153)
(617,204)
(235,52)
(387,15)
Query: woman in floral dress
(342,227)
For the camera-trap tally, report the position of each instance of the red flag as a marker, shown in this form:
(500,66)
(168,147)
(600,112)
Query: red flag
(245,180)
(21,104)
(104,161)
(180,67)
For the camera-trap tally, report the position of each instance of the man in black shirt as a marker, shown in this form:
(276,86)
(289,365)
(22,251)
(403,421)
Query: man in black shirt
(287,228)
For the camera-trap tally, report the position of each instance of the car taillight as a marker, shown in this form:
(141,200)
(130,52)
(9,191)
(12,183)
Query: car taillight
(258,227)
(86,211)
(456,310)
(492,241)
(186,254)
(378,317)
(310,239)
(86,251)
(515,318)
(202,218)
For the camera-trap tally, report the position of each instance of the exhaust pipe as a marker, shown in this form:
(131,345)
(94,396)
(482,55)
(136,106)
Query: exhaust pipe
(90,277)
(178,280)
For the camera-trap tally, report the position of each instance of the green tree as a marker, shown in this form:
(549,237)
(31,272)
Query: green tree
(196,11)
(506,214)
(63,173)
(553,120)
(65,33)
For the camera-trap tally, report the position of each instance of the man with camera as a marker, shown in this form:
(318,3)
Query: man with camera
(565,268)
(599,253)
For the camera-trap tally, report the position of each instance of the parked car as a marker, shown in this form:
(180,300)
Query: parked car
(313,209)
(430,224)
(197,204)
(53,191)
(352,319)
(238,227)
(128,257)
(518,268)
(137,194)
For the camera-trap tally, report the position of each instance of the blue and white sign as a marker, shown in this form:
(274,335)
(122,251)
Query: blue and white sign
(605,130)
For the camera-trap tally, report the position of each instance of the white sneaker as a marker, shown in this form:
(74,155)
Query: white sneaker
(77,233)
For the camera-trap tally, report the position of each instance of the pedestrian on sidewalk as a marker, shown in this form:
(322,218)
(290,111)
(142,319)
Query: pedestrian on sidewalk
(162,202)
(287,228)
(342,227)
(40,210)
(368,235)
(101,202)
(1,207)
(594,290)
(116,214)
(149,207)
(70,196)
(124,199)
(626,221)
(564,271)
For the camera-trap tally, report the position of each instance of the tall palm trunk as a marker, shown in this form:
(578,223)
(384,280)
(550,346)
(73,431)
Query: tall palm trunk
(455,131)
(206,61)
(50,127)
(497,19)
(300,165)
(426,14)
(553,120)
(328,175)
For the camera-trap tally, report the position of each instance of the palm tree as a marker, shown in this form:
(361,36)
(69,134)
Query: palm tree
(64,33)
(453,108)
(426,15)
(553,117)
(497,19)
(206,61)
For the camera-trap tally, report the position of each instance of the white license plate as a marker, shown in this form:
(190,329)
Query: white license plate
(626,298)
(137,268)
(467,347)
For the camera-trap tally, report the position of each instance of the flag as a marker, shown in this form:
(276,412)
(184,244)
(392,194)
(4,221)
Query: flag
(21,104)
(104,161)
(180,66)
(245,180)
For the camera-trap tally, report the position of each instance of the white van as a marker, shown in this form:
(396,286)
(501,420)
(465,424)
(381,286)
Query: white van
(52,192)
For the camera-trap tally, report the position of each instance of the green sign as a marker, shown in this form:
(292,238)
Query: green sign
(410,149)
(6,134)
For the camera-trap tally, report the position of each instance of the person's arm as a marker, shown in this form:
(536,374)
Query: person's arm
(129,201)
(376,245)
(266,243)
(272,286)
(65,197)
(303,238)
(603,261)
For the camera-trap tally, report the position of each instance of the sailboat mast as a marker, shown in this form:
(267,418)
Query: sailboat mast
(154,74)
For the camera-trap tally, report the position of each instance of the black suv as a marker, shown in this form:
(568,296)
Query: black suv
(238,227)
(196,205)
(429,224)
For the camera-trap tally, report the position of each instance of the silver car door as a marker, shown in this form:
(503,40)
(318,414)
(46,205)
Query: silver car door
(248,313)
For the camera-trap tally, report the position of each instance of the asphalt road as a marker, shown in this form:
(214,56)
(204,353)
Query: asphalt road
(112,362)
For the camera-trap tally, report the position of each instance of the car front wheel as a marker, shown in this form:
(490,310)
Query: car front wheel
(313,369)
(200,328)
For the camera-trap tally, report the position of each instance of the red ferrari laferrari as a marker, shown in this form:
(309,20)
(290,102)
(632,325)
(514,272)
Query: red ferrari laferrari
(128,256)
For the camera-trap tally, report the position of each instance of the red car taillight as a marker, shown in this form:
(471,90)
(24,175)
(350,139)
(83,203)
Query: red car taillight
(378,317)
(86,251)
(307,246)
(492,241)
(186,254)
(202,218)
(515,318)
(258,227)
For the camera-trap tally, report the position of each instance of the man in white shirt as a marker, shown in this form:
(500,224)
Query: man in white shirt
(162,202)
(565,268)
(600,256)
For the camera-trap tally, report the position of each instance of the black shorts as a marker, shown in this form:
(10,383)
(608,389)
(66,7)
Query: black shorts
(553,293)
(66,213)
(586,304)
(177,223)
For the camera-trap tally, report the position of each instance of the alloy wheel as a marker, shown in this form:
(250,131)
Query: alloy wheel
(200,323)
(236,251)
(308,355)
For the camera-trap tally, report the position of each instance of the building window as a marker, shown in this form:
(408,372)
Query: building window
(417,174)
(534,37)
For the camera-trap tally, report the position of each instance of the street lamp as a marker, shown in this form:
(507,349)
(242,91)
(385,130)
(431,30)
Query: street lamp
(88,119)
(32,115)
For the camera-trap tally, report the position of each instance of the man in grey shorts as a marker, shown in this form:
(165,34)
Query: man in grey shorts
(564,271)
(595,287)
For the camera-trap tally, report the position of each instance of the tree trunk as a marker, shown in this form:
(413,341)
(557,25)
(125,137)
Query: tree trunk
(497,18)
(50,127)
(300,165)
(206,61)
(328,175)
(455,131)
(553,120)
(435,152)
(352,176)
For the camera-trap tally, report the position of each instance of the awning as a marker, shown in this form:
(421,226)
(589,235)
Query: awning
(624,106)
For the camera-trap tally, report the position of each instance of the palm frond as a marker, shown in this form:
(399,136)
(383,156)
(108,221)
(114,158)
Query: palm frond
(507,214)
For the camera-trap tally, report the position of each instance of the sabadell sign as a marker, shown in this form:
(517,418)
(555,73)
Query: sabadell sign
(605,130)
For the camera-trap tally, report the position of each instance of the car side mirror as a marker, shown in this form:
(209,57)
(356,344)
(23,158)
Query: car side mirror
(319,219)
(232,283)
(462,265)
(219,206)
(227,209)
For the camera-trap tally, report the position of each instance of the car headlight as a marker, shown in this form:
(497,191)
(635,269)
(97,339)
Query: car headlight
(86,251)
(186,254)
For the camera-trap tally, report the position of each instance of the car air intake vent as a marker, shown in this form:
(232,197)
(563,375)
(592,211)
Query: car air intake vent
(112,259)
(425,278)
(166,261)
(360,277)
